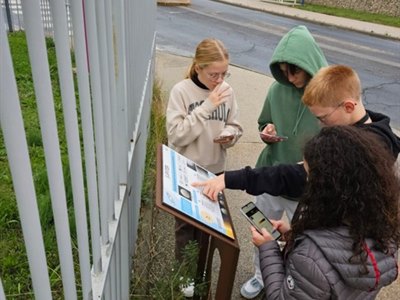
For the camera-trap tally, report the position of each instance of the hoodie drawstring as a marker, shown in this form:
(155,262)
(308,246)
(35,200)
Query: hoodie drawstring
(298,118)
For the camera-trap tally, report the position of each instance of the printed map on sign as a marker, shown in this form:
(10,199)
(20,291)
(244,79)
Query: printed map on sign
(178,174)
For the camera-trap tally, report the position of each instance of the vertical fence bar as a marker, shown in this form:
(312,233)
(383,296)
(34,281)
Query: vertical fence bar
(41,77)
(95,81)
(87,129)
(46,17)
(113,277)
(8,13)
(58,10)
(12,126)
(105,85)
(138,64)
(69,22)
(125,262)
(19,13)
(16,9)
(118,259)
(128,47)
(107,288)
(122,133)
(2,296)
(113,99)
(116,248)
(129,62)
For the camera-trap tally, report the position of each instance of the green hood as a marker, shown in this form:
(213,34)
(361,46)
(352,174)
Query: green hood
(297,47)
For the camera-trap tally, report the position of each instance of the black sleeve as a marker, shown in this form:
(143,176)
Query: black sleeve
(280,180)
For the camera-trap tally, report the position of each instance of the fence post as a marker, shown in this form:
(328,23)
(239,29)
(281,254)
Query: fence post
(8,13)
(2,296)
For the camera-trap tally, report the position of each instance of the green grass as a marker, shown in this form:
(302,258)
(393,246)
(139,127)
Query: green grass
(157,135)
(14,269)
(352,14)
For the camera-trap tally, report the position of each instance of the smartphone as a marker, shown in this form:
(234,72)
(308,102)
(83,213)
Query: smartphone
(258,219)
(277,138)
(223,138)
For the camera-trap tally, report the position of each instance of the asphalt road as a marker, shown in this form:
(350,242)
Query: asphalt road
(251,37)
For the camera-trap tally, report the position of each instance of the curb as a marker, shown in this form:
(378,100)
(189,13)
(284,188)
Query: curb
(372,29)
(173,2)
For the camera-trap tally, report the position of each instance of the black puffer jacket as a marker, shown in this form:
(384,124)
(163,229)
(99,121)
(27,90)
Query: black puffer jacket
(318,267)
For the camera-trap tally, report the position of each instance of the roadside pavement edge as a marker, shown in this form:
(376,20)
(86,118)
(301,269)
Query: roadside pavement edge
(340,22)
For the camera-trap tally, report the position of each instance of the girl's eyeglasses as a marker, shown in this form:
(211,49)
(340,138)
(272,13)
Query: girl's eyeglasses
(216,76)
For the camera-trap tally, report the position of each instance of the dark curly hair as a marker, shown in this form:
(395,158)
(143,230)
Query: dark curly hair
(351,181)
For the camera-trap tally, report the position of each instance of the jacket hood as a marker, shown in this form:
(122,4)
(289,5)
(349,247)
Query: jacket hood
(336,245)
(297,47)
(381,126)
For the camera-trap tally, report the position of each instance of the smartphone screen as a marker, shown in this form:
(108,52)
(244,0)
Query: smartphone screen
(258,219)
(276,138)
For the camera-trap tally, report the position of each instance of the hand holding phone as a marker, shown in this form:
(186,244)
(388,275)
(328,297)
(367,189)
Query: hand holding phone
(269,138)
(258,219)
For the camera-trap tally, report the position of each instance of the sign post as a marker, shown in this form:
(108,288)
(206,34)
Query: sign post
(175,195)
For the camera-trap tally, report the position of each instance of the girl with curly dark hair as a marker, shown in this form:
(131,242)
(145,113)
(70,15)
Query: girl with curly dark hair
(345,234)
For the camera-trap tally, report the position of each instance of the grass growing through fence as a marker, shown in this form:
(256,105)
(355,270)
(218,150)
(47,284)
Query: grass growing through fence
(157,135)
(14,269)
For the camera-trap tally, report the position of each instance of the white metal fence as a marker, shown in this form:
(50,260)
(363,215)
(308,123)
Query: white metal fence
(114,56)
(14,19)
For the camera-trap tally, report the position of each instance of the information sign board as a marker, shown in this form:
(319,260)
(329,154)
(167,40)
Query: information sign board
(178,172)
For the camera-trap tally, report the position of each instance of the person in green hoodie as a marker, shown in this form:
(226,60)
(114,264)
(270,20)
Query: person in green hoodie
(285,123)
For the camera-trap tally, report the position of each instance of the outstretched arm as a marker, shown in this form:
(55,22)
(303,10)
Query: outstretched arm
(287,180)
